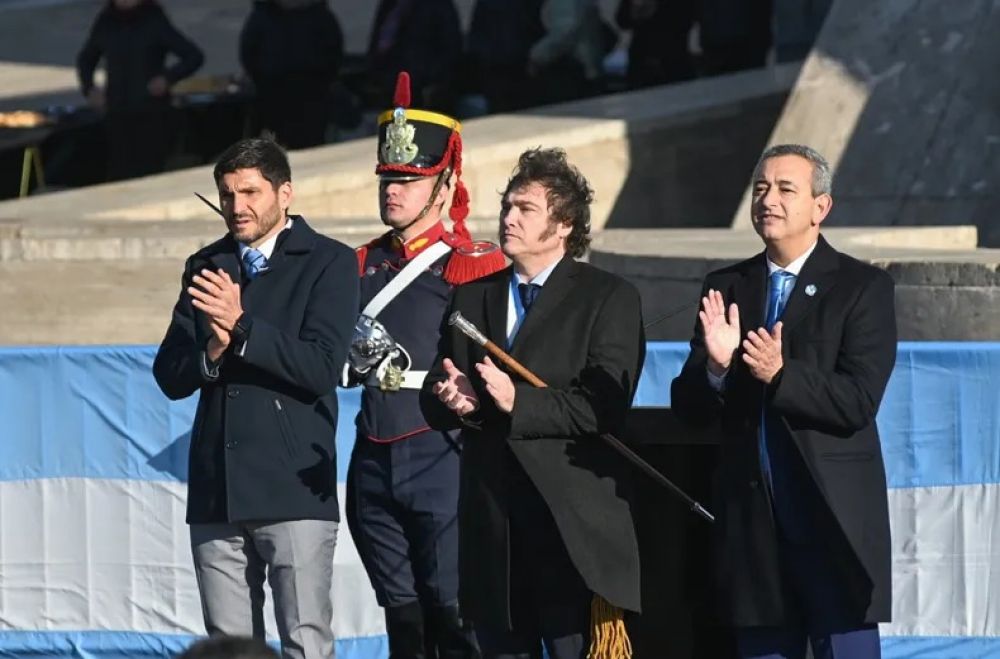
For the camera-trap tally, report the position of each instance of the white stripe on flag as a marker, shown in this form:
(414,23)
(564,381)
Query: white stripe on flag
(95,554)
(944,561)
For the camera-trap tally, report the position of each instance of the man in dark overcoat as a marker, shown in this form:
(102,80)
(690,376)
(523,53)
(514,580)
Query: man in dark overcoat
(545,524)
(261,331)
(792,352)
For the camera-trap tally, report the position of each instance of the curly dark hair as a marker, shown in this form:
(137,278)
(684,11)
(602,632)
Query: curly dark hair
(260,153)
(567,191)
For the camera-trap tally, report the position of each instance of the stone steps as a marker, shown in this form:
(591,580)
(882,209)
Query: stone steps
(116,240)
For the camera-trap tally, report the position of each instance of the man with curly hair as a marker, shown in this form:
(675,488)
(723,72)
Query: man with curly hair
(544,520)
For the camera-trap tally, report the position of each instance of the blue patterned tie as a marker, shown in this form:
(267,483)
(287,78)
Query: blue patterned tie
(779,285)
(528,293)
(254,263)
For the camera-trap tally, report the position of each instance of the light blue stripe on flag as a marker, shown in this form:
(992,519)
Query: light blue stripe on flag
(135,645)
(97,413)
(939,421)
(940,647)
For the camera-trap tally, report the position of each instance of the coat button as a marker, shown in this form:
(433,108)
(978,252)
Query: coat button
(754,484)
(233,393)
(231,444)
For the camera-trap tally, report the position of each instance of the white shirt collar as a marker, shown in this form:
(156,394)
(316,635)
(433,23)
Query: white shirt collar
(267,247)
(540,278)
(515,314)
(795,267)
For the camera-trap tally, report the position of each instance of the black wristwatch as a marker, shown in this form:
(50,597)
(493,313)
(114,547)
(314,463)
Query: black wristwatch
(241,330)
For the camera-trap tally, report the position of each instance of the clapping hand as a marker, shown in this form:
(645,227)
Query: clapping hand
(721,331)
(762,353)
(218,296)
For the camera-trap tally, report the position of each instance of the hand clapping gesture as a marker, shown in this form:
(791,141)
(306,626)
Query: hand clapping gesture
(762,353)
(218,296)
(721,331)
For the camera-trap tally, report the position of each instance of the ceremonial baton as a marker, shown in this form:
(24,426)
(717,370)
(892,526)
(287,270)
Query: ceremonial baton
(670,314)
(471,331)
(209,204)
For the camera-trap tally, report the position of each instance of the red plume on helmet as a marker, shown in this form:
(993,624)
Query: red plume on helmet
(401,99)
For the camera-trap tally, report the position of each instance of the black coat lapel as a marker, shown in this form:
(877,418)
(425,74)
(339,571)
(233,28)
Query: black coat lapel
(817,277)
(299,240)
(556,288)
(227,259)
(496,307)
(749,293)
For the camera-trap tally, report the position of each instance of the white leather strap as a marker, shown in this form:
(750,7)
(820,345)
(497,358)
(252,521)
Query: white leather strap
(409,272)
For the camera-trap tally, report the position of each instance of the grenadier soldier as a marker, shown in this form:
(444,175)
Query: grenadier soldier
(402,485)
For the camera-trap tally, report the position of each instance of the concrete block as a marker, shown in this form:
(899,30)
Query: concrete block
(948,313)
(943,291)
(901,97)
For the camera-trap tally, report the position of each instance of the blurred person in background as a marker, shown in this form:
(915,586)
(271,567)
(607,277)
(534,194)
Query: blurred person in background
(134,38)
(658,53)
(567,62)
(735,34)
(500,38)
(423,37)
(292,50)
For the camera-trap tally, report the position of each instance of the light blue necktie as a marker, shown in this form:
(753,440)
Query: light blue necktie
(780,284)
(254,263)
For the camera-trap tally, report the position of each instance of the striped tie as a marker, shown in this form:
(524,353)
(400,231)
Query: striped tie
(254,263)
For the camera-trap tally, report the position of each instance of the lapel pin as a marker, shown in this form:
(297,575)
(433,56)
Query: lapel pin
(811,290)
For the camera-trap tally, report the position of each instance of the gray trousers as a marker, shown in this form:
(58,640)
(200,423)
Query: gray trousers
(231,562)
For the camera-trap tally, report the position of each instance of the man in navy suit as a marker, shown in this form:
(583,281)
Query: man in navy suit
(262,329)
(792,351)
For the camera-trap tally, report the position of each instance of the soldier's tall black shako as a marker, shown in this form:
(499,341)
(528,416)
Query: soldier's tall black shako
(402,484)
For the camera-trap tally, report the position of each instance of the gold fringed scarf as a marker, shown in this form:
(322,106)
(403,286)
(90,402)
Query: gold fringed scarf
(608,636)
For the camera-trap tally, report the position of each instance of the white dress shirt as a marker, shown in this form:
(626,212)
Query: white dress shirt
(515,310)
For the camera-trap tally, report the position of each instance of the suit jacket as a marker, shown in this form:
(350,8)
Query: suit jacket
(839,348)
(262,445)
(583,337)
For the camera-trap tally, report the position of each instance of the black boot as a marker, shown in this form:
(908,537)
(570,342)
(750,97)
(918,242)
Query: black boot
(455,638)
(405,626)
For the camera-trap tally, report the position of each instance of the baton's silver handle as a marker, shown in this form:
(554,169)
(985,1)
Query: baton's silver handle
(467,328)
